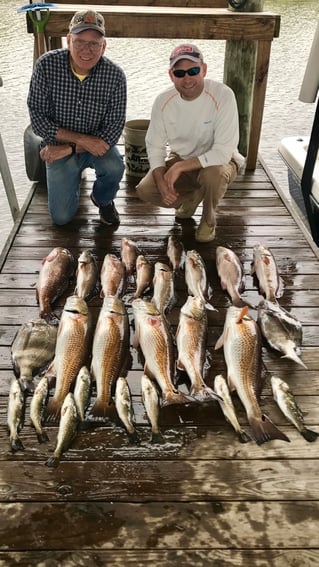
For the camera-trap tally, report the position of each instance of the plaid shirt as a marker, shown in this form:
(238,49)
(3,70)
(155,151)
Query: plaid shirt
(58,99)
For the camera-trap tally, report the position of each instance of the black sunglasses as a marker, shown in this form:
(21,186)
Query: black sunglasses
(180,73)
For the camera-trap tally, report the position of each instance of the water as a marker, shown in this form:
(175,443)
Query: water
(145,64)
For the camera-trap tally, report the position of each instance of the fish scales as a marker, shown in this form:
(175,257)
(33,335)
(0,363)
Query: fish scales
(230,272)
(151,403)
(163,285)
(227,407)
(72,350)
(123,403)
(54,278)
(196,277)
(175,252)
(87,276)
(265,268)
(67,430)
(15,415)
(37,404)
(144,271)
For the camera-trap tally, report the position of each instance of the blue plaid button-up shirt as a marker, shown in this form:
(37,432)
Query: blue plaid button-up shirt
(58,99)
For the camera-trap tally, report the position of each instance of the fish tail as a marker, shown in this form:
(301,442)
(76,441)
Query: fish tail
(264,430)
(42,437)
(170,398)
(16,445)
(134,438)
(53,410)
(243,436)
(210,307)
(295,358)
(204,394)
(102,409)
(157,438)
(26,384)
(53,462)
(309,435)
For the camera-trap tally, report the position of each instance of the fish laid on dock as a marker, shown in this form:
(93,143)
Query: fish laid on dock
(110,354)
(54,278)
(265,268)
(67,430)
(87,276)
(151,403)
(196,277)
(289,407)
(73,348)
(82,392)
(163,285)
(129,254)
(112,276)
(176,253)
(124,408)
(191,337)
(37,406)
(227,407)
(15,415)
(154,338)
(144,271)
(32,349)
(231,274)
(281,329)
(242,351)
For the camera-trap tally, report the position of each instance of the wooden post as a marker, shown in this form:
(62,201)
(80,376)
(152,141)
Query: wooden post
(239,74)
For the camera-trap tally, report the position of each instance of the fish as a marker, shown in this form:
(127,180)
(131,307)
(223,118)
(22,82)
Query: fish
(144,271)
(163,287)
(231,274)
(241,341)
(265,269)
(129,254)
(281,329)
(33,349)
(67,430)
(37,405)
(289,407)
(112,276)
(123,404)
(82,392)
(151,403)
(15,415)
(227,407)
(87,276)
(196,277)
(191,335)
(54,278)
(176,253)
(72,351)
(110,354)
(154,338)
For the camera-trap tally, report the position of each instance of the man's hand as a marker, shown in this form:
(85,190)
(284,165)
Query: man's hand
(53,153)
(92,144)
(169,194)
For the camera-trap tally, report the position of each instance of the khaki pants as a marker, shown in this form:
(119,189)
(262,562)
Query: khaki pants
(207,184)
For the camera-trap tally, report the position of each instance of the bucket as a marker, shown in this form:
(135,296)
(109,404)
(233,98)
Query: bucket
(136,161)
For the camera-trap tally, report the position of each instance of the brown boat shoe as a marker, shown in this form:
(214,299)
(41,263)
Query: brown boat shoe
(204,232)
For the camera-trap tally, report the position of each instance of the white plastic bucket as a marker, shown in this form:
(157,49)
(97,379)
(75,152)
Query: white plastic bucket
(136,161)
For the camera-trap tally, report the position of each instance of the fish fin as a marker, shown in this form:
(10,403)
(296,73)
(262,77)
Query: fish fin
(171,398)
(219,342)
(53,462)
(204,394)
(242,314)
(210,307)
(309,435)
(295,359)
(53,410)
(43,437)
(102,409)
(180,366)
(16,445)
(264,430)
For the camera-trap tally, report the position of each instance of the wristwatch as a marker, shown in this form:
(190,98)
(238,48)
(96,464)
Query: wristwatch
(73,146)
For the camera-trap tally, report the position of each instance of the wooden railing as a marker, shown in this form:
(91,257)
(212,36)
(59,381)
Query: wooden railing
(183,22)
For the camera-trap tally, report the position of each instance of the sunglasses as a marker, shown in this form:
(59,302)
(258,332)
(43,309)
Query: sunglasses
(180,73)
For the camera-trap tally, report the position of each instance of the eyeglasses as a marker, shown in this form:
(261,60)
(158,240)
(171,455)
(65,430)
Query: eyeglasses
(79,44)
(180,73)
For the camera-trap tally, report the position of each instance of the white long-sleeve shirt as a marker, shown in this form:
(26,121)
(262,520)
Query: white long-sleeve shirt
(206,127)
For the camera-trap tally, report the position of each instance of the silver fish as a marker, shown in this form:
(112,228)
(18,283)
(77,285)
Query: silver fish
(175,253)
(196,277)
(72,351)
(37,404)
(281,329)
(265,268)
(110,354)
(163,286)
(230,272)
(154,338)
(227,407)
(129,254)
(32,349)
(112,276)
(288,405)
(54,278)
(242,351)
(150,399)
(15,417)
(123,404)
(144,271)
(82,391)
(67,430)
(87,276)
(191,337)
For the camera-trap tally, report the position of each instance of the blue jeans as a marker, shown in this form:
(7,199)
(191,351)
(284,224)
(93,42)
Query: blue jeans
(64,178)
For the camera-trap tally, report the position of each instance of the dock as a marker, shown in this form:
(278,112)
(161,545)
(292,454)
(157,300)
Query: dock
(202,497)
